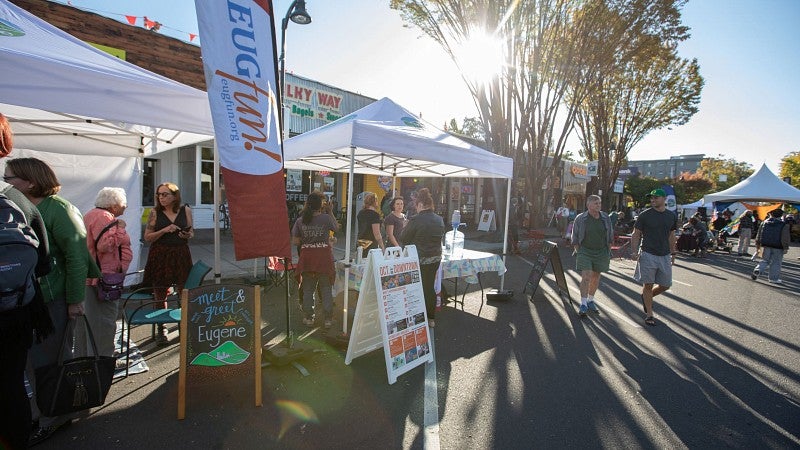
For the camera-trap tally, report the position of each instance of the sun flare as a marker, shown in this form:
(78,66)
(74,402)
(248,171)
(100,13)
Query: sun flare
(480,57)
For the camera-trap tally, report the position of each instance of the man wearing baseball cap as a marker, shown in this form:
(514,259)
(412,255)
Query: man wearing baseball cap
(655,229)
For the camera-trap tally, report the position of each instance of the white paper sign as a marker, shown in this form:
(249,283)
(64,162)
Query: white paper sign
(391,312)
(487,222)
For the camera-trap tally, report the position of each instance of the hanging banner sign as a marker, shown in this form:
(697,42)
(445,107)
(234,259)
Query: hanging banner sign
(240,64)
(591,168)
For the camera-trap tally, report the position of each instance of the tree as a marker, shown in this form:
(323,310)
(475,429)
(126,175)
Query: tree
(646,87)
(638,187)
(693,186)
(470,126)
(790,167)
(731,170)
(550,48)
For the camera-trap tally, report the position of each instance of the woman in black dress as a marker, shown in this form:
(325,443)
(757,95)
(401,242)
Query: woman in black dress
(169,228)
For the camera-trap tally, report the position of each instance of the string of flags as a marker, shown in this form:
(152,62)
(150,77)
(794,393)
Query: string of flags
(147,23)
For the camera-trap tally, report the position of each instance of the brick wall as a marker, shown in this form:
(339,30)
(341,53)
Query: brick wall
(150,50)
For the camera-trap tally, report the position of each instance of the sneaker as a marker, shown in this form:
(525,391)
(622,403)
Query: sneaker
(308,321)
(755,274)
(593,308)
(778,281)
(582,310)
(328,323)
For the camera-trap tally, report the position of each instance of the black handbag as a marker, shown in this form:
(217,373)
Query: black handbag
(76,384)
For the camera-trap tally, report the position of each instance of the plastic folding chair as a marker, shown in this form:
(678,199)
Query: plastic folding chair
(143,314)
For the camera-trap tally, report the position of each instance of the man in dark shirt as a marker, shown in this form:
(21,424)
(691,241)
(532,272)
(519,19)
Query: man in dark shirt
(655,228)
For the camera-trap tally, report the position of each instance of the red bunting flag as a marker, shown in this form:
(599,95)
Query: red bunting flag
(131,19)
(191,37)
(149,23)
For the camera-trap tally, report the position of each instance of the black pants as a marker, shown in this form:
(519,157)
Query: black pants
(428,272)
(15,409)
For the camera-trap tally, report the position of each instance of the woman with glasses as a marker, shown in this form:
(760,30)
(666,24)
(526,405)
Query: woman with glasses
(169,228)
(64,288)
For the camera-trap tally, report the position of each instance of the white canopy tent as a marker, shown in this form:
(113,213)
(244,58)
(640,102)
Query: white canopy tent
(91,116)
(386,139)
(761,186)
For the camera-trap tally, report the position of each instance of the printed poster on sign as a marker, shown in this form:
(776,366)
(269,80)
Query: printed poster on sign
(294,180)
(392,291)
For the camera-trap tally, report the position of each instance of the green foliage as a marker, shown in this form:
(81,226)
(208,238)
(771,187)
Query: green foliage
(734,171)
(558,52)
(790,167)
(692,187)
(638,188)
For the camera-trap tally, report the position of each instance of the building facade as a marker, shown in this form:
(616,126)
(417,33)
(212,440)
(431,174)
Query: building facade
(668,168)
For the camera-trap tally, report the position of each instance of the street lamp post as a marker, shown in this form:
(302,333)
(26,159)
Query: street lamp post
(297,13)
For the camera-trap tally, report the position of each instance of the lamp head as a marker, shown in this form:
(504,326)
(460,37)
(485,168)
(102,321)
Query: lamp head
(298,13)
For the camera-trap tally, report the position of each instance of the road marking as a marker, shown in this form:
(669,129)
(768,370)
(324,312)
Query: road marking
(681,282)
(431,403)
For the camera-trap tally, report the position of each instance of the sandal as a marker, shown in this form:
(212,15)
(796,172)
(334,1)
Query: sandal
(650,320)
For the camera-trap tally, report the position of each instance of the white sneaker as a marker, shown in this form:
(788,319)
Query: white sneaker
(308,321)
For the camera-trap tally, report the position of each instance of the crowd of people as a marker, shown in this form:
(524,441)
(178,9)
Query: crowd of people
(74,252)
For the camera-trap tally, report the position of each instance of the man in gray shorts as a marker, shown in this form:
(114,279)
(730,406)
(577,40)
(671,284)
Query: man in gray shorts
(655,228)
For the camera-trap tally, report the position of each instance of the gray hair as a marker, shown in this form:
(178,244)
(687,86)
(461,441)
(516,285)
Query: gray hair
(111,196)
(592,198)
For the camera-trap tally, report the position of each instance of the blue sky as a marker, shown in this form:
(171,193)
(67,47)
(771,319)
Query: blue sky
(749,54)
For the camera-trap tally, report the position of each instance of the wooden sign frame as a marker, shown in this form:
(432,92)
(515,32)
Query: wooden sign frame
(225,314)
(547,253)
(390,312)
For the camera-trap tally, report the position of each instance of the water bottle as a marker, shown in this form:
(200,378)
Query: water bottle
(456,219)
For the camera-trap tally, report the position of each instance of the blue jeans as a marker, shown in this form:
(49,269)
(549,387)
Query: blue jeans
(774,258)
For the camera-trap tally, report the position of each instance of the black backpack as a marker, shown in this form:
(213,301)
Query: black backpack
(18,257)
(771,233)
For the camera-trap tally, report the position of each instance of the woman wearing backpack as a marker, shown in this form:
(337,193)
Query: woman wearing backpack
(18,327)
(64,288)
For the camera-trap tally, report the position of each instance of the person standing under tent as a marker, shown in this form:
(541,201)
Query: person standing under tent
(745,233)
(773,237)
(369,225)
(592,235)
(315,267)
(425,230)
(394,222)
(655,228)
(113,251)
(169,260)
(19,327)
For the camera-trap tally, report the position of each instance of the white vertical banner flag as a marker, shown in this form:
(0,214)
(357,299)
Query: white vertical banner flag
(240,63)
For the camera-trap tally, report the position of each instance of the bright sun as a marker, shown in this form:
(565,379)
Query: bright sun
(481,57)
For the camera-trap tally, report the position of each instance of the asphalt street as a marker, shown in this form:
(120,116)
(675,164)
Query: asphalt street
(721,369)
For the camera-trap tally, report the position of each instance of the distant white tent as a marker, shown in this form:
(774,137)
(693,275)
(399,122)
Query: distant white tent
(762,186)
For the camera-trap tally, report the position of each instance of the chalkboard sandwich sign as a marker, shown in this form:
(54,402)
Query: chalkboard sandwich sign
(220,336)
